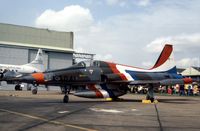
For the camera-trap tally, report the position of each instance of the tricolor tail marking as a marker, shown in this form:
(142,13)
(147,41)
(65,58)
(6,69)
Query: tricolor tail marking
(164,56)
(164,63)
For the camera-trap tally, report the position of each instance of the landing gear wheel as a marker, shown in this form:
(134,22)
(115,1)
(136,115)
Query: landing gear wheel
(152,99)
(66,99)
(1,75)
(149,98)
(18,88)
(150,93)
(34,91)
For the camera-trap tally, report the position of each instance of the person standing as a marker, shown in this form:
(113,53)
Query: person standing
(182,90)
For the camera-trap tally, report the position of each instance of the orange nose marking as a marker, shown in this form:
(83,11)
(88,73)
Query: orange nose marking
(39,77)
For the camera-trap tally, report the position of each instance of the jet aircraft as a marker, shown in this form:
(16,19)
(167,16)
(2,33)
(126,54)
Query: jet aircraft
(35,66)
(103,79)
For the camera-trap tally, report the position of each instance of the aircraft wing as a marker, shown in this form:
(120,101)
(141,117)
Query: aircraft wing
(141,82)
(144,82)
(137,82)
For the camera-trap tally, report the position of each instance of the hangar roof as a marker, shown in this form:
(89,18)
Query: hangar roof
(15,35)
(191,71)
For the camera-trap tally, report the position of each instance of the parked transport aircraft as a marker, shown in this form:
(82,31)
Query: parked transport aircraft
(102,79)
(35,66)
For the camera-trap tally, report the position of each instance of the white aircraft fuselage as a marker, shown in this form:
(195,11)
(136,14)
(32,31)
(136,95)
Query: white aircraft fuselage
(35,66)
(19,68)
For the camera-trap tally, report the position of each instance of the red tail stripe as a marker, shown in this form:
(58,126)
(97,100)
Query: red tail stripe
(165,54)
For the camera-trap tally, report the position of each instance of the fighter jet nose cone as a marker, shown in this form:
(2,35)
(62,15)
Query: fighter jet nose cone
(39,77)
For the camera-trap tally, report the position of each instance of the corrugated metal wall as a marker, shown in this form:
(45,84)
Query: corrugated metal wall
(13,56)
(59,60)
(53,60)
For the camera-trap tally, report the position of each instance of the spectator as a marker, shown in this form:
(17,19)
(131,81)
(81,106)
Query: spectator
(190,90)
(169,90)
(195,90)
(182,90)
(186,89)
(140,88)
(177,88)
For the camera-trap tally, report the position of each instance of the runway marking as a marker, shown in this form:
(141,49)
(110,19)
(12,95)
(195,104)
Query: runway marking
(106,110)
(111,110)
(46,120)
(62,112)
(158,118)
(133,109)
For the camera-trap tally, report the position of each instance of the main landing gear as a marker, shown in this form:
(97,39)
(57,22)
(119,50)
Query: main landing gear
(66,92)
(18,87)
(35,89)
(150,93)
(66,98)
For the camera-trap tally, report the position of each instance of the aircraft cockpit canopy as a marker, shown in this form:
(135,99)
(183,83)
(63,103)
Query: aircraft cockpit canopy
(88,63)
(85,64)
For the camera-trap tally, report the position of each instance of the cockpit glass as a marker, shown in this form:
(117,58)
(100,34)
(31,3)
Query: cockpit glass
(85,63)
(88,63)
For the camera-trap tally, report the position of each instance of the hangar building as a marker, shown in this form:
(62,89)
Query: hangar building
(19,45)
(193,72)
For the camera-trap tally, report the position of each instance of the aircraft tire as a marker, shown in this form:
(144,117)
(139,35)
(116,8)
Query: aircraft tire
(18,88)
(149,98)
(152,99)
(34,91)
(66,99)
(1,75)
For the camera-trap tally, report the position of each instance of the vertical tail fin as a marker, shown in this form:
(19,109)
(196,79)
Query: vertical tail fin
(39,58)
(165,61)
(38,61)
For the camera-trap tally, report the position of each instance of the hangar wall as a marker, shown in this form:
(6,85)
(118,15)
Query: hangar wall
(19,45)
(13,55)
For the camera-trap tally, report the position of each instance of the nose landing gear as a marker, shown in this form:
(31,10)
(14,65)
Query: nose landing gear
(34,91)
(66,96)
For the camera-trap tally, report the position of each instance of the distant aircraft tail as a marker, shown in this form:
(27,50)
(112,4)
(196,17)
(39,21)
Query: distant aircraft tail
(165,61)
(37,62)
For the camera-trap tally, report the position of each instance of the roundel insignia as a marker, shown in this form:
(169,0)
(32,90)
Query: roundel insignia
(57,78)
(91,71)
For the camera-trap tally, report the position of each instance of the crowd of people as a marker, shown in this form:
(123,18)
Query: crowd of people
(182,90)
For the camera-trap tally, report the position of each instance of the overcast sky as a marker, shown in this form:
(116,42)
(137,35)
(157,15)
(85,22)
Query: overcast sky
(131,32)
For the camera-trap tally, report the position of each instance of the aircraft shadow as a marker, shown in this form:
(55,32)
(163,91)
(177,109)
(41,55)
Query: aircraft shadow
(178,101)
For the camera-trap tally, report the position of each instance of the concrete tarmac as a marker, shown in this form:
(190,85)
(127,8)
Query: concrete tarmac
(20,110)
